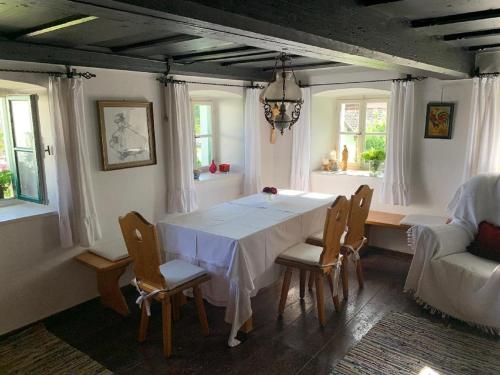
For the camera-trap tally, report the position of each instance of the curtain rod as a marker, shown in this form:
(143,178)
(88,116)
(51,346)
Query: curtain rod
(166,80)
(68,73)
(409,78)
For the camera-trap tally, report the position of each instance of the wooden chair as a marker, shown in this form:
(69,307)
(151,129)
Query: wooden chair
(321,261)
(354,239)
(163,282)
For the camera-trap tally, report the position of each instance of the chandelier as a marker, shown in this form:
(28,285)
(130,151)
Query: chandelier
(282,98)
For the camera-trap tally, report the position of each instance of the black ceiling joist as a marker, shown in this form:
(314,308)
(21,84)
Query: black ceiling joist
(247,61)
(214,53)
(471,34)
(52,26)
(368,3)
(325,64)
(484,46)
(456,18)
(156,42)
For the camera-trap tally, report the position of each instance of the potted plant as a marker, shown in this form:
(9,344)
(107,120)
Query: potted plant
(374,158)
(5,181)
(197,170)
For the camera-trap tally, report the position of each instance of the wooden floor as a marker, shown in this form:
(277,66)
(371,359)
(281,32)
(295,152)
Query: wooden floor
(292,345)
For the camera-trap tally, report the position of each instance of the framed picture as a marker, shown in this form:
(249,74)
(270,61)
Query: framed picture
(127,134)
(439,120)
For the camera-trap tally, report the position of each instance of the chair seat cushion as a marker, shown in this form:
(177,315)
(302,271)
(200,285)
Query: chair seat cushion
(303,253)
(318,237)
(177,272)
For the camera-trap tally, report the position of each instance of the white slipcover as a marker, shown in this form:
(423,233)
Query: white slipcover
(446,278)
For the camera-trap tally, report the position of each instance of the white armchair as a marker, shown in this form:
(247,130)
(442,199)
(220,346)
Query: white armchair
(446,278)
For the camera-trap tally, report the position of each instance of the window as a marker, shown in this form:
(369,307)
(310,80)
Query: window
(362,127)
(21,169)
(203,133)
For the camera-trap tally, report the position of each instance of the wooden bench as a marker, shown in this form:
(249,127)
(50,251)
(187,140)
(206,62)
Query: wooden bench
(386,219)
(108,276)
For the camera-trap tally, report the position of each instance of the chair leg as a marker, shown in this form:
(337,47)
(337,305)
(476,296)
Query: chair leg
(200,307)
(320,298)
(176,306)
(284,290)
(359,273)
(335,298)
(166,312)
(311,281)
(345,276)
(303,275)
(143,326)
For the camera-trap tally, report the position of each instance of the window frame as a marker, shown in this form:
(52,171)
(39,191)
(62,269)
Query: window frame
(12,149)
(360,144)
(212,135)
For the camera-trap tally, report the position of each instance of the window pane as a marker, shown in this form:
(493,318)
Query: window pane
(376,142)
(28,174)
(349,117)
(351,141)
(22,123)
(202,119)
(376,117)
(203,152)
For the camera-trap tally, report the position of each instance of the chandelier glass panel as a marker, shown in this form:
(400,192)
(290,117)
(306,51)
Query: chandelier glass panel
(282,98)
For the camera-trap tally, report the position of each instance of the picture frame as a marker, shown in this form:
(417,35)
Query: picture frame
(439,120)
(126,134)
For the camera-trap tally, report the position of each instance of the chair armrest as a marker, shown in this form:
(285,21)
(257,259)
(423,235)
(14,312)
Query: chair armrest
(447,239)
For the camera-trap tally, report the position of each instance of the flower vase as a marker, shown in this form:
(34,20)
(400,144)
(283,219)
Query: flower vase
(213,167)
(374,166)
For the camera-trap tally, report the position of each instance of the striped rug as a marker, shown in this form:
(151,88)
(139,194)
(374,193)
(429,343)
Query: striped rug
(37,351)
(403,344)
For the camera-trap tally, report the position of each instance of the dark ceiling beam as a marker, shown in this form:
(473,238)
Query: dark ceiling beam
(181,38)
(456,18)
(471,34)
(218,53)
(52,26)
(320,29)
(326,64)
(483,47)
(248,61)
(18,51)
(368,3)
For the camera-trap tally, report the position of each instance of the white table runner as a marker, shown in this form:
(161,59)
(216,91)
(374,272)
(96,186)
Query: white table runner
(238,242)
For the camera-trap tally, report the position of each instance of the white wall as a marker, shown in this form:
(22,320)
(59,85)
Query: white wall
(38,277)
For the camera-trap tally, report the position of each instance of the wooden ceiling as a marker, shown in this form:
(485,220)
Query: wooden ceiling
(142,35)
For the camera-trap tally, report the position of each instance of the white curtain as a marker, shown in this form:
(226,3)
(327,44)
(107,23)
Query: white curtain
(483,148)
(301,145)
(253,160)
(179,149)
(396,184)
(78,222)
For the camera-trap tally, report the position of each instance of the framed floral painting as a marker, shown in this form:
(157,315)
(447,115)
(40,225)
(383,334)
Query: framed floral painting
(439,120)
(127,134)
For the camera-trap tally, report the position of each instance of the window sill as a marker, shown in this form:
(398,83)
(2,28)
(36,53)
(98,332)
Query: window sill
(16,210)
(207,176)
(358,173)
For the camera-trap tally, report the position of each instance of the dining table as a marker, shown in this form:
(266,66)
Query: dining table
(238,241)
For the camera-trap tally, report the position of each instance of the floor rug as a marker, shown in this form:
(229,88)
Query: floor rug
(37,351)
(403,344)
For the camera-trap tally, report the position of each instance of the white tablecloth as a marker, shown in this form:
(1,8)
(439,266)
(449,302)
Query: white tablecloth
(238,242)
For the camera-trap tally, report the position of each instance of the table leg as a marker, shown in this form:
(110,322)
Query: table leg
(247,327)
(109,289)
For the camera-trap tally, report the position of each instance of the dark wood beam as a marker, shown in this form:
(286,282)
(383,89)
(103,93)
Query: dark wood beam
(483,47)
(155,43)
(218,54)
(52,26)
(471,34)
(10,50)
(248,61)
(368,3)
(456,18)
(326,64)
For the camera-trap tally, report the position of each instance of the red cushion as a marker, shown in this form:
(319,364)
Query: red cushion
(487,242)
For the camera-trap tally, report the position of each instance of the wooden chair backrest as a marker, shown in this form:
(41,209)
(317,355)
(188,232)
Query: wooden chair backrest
(336,219)
(143,247)
(358,213)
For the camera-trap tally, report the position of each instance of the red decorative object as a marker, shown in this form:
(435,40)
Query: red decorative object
(213,167)
(487,242)
(270,190)
(224,168)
